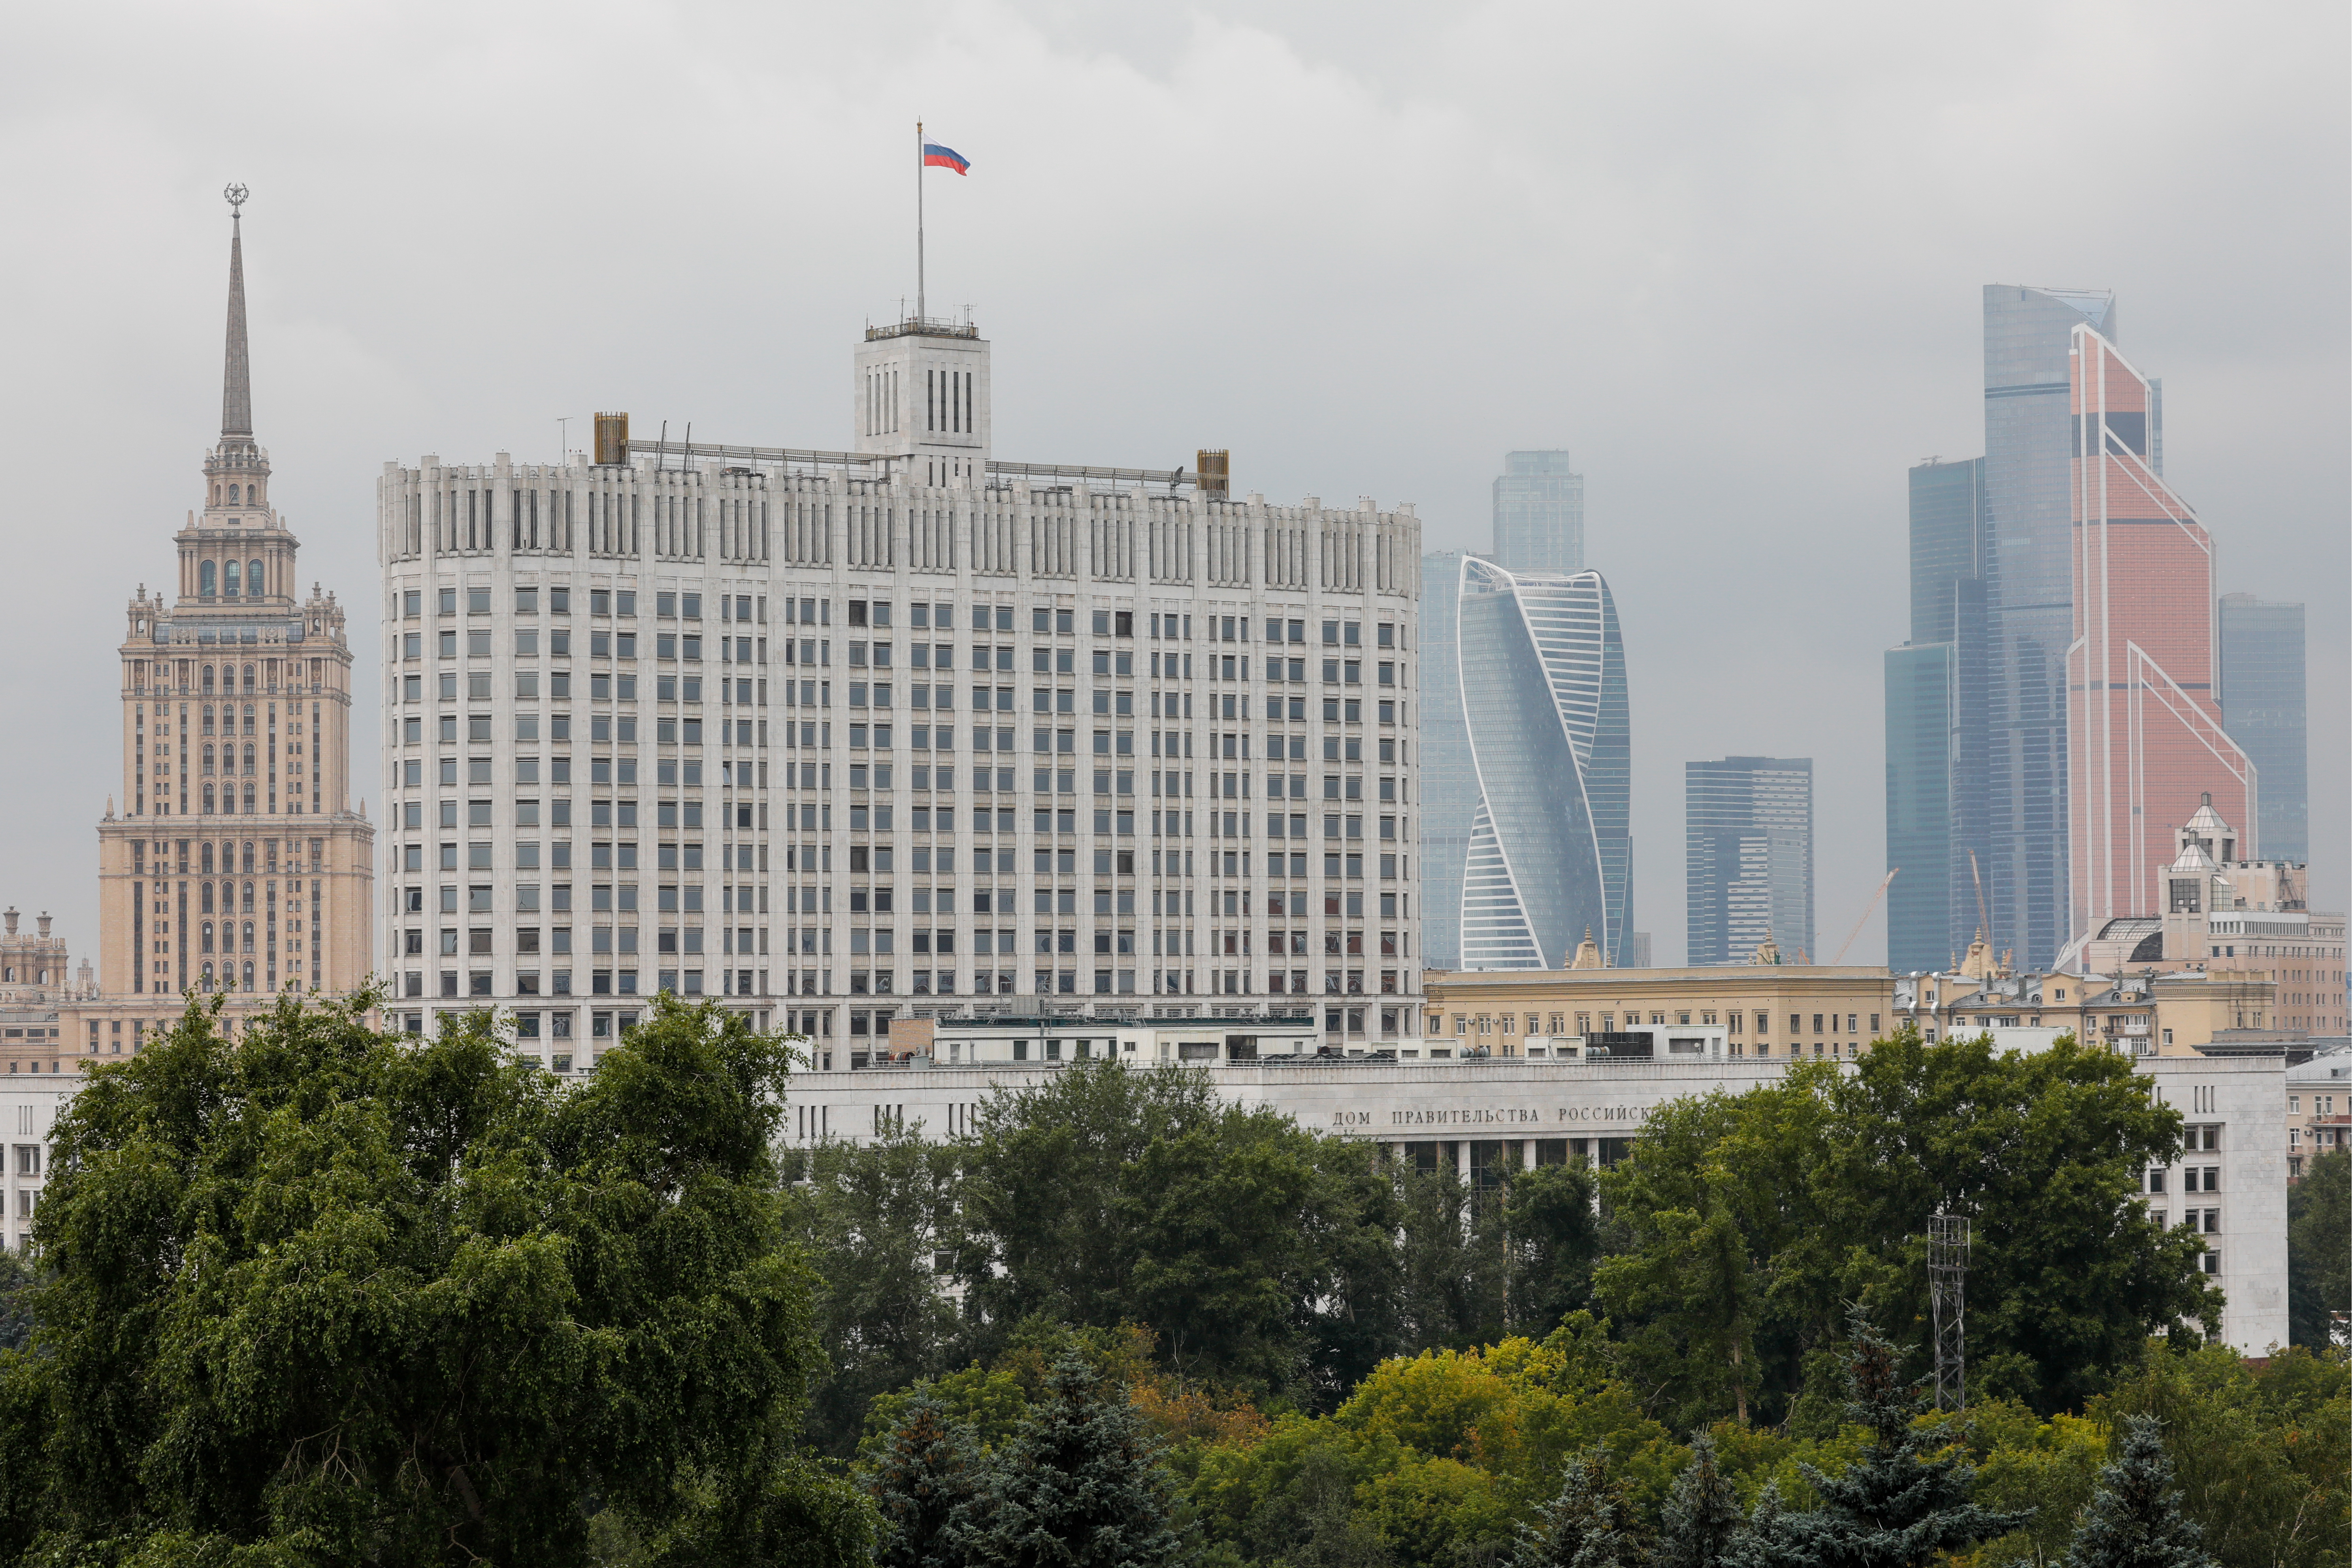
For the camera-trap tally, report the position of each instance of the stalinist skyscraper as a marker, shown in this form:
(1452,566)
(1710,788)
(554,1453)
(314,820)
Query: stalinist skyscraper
(235,862)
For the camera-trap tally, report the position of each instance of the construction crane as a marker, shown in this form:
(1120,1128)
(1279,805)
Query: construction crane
(1865,915)
(1983,925)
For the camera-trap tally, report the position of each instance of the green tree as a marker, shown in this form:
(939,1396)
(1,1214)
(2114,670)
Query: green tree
(1554,1236)
(1258,1251)
(1701,1518)
(874,1219)
(321,1295)
(1589,1524)
(1899,1505)
(925,1480)
(1080,1485)
(1452,1269)
(2319,1249)
(15,1301)
(2134,1519)
(2259,1454)
(1827,1179)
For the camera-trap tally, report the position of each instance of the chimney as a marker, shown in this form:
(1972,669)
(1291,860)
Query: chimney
(612,440)
(10,914)
(45,925)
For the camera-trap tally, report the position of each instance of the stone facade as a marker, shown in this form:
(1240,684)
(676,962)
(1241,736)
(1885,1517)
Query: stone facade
(236,864)
(897,732)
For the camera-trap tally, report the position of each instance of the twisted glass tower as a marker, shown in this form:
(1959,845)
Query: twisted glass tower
(1544,705)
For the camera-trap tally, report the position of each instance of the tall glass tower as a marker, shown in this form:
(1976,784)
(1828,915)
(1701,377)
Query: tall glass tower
(1544,703)
(1449,784)
(2030,517)
(1935,703)
(1749,843)
(1539,514)
(2263,709)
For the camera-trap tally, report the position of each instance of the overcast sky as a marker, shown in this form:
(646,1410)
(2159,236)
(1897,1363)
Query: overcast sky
(1730,255)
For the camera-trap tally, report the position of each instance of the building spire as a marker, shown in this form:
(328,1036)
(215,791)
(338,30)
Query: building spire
(236,381)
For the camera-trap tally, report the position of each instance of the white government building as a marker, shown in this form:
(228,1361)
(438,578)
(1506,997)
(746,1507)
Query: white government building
(1476,1116)
(899,731)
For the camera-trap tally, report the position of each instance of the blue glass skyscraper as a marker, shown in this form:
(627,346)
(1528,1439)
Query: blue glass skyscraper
(2262,709)
(1544,703)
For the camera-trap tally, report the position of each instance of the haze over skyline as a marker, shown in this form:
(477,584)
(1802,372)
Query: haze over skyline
(1732,262)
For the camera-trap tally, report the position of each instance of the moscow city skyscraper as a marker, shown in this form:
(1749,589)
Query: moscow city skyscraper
(1748,824)
(1543,699)
(1525,836)
(1539,514)
(1935,703)
(2028,490)
(2145,740)
(2263,709)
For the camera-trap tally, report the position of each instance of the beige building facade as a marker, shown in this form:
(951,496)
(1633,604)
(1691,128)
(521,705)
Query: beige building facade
(1769,1010)
(234,864)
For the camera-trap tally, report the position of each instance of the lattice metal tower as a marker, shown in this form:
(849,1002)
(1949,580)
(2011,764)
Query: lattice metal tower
(1947,1290)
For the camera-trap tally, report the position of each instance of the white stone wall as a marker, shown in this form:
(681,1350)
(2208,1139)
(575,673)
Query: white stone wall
(28,1110)
(2242,1101)
(1173,728)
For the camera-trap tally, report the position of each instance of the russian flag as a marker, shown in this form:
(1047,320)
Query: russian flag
(938,157)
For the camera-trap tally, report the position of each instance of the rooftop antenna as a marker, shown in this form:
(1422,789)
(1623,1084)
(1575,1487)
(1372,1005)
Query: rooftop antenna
(563,439)
(661,449)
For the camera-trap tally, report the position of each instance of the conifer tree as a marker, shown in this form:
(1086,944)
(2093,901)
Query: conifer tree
(2134,1519)
(1702,1513)
(1895,1507)
(1591,1524)
(1079,1485)
(924,1485)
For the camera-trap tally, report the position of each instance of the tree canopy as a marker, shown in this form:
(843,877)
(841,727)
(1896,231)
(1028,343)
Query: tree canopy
(318,1296)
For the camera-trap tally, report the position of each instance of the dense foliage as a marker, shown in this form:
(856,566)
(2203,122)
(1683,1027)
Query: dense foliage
(1742,1224)
(2319,1249)
(317,1295)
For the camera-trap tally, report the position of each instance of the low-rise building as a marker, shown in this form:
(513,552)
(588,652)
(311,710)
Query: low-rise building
(1765,1009)
(2318,1106)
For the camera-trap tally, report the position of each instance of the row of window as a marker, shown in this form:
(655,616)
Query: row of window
(923,616)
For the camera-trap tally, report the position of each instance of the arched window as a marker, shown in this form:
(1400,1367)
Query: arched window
(208,981)
(248,707)
(228,580)
(208,929)
(249,757)
(208,767)
(208,677)
(208,799)
(249,865)
(248,800)
(253,578)
(207,887)
(249,965)
(248,937)
(208,870)
(208,718)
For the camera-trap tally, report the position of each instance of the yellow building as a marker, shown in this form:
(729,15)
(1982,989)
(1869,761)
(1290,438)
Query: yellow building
(236,864)
(1759,1010)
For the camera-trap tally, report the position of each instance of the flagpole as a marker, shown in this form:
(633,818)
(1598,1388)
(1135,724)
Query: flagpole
(918,222)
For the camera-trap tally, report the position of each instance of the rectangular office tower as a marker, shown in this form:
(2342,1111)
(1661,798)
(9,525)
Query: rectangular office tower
(1936,702)
(898,731)
(1539,514)
(1748,841)
(2261,707)
(2029,501)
